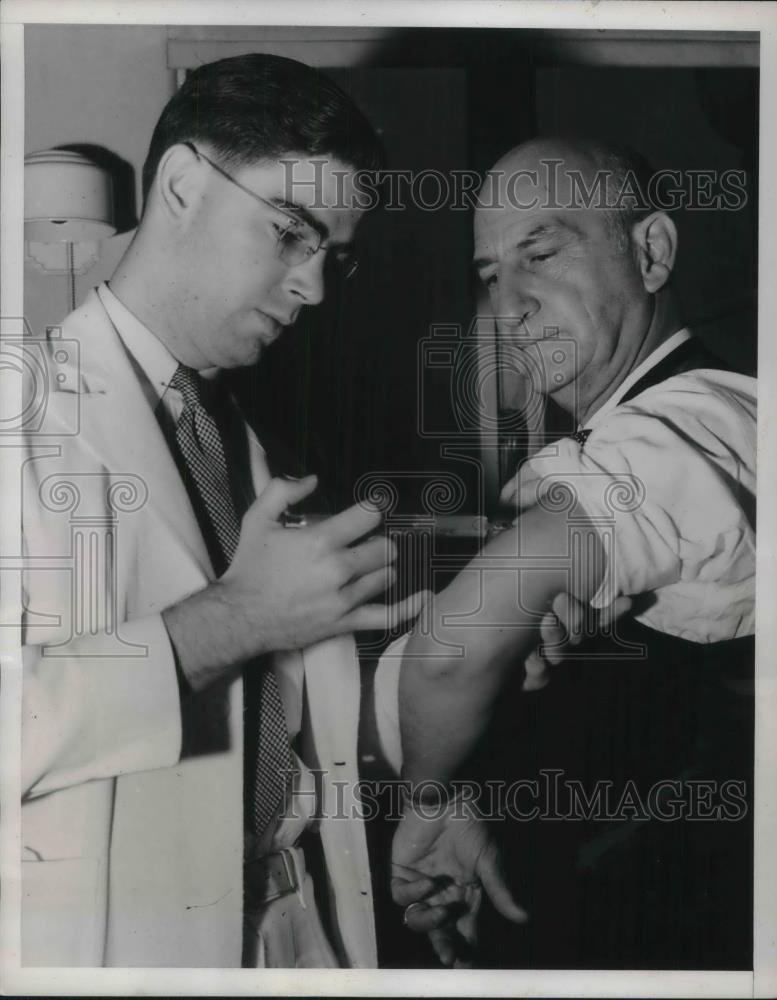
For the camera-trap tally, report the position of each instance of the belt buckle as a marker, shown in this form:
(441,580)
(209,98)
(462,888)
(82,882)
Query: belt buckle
(271,877)
(291,870)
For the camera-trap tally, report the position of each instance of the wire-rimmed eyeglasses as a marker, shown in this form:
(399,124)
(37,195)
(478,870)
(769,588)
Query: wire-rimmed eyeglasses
(297,241)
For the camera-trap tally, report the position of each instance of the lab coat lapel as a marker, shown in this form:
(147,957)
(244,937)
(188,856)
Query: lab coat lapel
(120,426)
(332,682)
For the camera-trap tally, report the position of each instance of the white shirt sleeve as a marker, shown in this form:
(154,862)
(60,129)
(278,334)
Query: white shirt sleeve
(386,694)
(668,480)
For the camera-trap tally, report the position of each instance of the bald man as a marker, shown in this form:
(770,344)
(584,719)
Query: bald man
(652,497)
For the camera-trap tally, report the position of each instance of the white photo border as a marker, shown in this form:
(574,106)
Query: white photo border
(761,17)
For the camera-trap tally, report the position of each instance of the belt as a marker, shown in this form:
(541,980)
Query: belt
(273,875)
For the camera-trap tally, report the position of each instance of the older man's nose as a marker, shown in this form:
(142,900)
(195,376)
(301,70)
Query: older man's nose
(514,307)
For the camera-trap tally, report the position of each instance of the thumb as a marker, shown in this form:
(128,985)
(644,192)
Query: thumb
(489,871)
(614,611)
(282,493)
(508,492)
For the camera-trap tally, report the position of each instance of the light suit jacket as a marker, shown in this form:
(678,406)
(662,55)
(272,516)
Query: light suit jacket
(133,849)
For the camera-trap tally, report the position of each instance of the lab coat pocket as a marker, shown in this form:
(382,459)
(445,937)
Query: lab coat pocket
(62,919)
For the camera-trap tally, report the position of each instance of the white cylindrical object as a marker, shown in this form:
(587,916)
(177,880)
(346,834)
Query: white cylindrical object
(67,198)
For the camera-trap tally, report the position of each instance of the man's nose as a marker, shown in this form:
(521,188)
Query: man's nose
(515,305)
(306,281)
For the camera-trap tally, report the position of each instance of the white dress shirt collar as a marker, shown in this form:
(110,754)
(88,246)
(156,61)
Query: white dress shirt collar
(147,351)
(154,362)
(633,377)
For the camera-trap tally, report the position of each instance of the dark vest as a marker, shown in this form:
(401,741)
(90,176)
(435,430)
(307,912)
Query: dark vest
(627,890)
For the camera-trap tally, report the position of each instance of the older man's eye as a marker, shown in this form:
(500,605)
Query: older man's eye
(538,258)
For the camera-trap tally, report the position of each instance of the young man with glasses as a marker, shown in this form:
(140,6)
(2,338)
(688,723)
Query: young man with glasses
(192,709)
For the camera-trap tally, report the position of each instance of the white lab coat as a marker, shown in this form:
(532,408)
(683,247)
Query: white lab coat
(133,853)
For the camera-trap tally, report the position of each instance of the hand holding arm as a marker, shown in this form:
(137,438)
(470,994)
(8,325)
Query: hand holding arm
(287,589)
(561,630)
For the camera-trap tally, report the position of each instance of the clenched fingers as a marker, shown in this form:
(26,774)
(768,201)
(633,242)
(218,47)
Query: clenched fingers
(422,919)
(404,893)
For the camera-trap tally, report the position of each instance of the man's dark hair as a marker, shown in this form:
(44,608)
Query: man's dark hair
(259,107)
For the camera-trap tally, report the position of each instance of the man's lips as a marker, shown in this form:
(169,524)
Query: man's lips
(526,340)
(272,326)
(285,320)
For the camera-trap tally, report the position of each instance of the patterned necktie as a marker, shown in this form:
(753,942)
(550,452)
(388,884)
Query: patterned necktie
(200,443)
(581,436)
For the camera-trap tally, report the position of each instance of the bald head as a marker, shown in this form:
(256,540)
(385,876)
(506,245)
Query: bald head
(577,173)
(576,266)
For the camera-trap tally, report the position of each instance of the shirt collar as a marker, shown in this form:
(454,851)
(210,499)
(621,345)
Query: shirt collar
(157,365)
(633,377)
(147,351)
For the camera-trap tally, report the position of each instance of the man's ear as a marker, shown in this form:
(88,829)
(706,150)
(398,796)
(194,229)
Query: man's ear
(655,241)
(179,182)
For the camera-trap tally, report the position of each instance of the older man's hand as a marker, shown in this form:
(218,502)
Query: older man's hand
(442,860)
(561,630)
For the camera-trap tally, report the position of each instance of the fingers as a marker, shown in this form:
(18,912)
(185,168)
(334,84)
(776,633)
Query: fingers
(553,637)
(407,893)
(509,491)
(448,916)
(374,554)
(422,919)
(571,613)
(282,493)
(350,524)
(536,668)
(455,941)
(489,871)
(521,490)
(383,617)
(562,627)
(410,608)
(467,925)
(368,586)
(442,941)
(613,611)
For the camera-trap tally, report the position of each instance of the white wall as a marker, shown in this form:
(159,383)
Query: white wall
(102,85)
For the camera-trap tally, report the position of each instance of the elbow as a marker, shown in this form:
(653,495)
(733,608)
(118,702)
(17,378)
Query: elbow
(449,660)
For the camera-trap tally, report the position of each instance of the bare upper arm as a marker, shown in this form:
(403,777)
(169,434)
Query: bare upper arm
(498,600)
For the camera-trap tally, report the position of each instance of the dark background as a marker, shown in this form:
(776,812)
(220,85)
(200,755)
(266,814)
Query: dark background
(340,391)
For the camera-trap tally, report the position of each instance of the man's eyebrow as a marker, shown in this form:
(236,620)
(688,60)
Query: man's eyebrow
(536,234)
(300,212)
(533,236)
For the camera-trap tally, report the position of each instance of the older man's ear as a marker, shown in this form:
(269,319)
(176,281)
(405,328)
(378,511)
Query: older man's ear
(655,242)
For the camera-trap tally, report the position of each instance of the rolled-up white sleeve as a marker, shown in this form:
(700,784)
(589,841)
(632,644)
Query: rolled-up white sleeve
(386,695)
(669,498)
